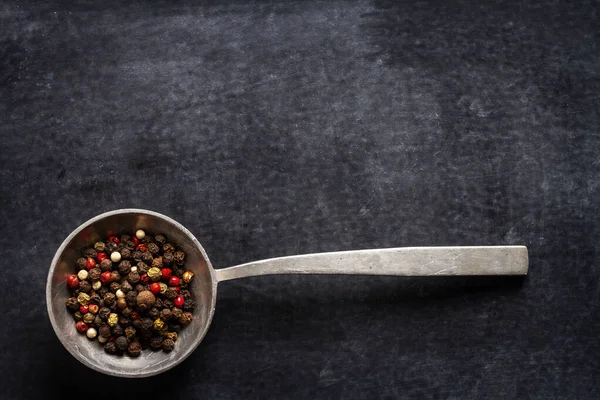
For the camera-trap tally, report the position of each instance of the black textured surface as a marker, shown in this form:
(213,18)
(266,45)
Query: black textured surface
(278,128)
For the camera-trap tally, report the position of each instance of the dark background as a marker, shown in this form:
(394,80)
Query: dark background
(280,128)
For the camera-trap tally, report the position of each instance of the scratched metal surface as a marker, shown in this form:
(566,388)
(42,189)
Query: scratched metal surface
(278,128)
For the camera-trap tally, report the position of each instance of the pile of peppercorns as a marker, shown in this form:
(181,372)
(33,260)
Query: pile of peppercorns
(131,293)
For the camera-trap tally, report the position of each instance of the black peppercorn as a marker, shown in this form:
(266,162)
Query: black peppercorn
(77,316)
(94,274)
(185,319)
(125,253)
(174,328)
(153,248)
(117,330)
(147,324)
(114,286)
(168,345)
(134,349)
(179,257)
(142,267)
(72,304)
(104,312)
(170,293)
(140,287)
(133,277)
(131,298)
(189,305)
(136,255)
(137,323)
(125,238)
(104,331)
(98,321)
(102,292)
(160,239)
(168,258)
(124,321)
(147,257)
(157,263)
(168,247)
(130,332)
(80,263)
(166,314)
(111,247)
(94,299)
(156,343)
(116,276)
(124,267)
(176,312)
(167,303)
(91,253)
(130,245)
(154,313)
(85,286)
(122,343)
(110,347)
(106,265)
(185,294)
(126,287)
(109,299)
(145,335)
(127,312)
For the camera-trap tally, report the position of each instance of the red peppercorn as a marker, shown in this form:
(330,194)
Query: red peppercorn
(81,326)
(84,309)
(144,278)
(136,241)
(72,281)
(106,277)
(177,289)
(155,288)
(101,257)
(174,281)
(90,263)
(178,301)
(166,273)
(141,247)
(114,239)
(134,315)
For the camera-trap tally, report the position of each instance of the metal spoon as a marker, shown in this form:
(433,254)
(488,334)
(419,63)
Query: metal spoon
(410,261)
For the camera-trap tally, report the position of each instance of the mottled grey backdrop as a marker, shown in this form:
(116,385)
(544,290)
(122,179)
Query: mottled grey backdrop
(273,128)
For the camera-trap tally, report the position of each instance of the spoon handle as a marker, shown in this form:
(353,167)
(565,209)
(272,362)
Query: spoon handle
(402,261)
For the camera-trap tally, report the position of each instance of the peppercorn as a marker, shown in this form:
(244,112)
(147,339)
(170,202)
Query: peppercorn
(168,258)
(82,275)
(134,349)
(179,257)
(88,318)
(83,298)
(93,308)
(121,343)
(130,332)
(166,314)
(171,335)
(109,299)
(81,327)
(167,303)
(147,324)
(96,285)
(133,277)
(110,348)
(77,315)
(147,257)
(156,343)
(127,312)
(154,274)
(124,321)
(113,319)
(178,272)
(157,262)
(163,287)
(131,298)
(94,298)
(185,319)
(105,265)
(168,247)
(145,300)
(178,301)
(154,313)
(137,323)
(116,276)
(94,274)
(99,246)
(121,303)
(170,293)
(84,309)
(80,263)
(188,276)
(115,256)
(101,257)
(125,253)
(91,253)
(140,287)
(153,248)
(136,255)
(174,281)
(168,345)
(124,267)
(104,330)
(125,237)
(177,313)
(72,304)
(90,263)
(117,330)
(85,286)
(114,286)
(142,267)
(126,287)
(104,312)
(175,328)
(186,294)
(97,320)
(189,305)
(72,281)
